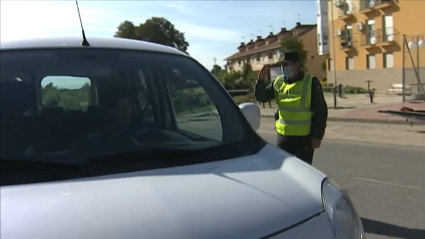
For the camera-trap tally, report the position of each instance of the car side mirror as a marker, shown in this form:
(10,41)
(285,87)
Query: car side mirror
(252,113)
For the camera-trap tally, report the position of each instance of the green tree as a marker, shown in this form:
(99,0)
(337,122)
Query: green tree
(126,30)
(323,66)
(295,44)
(246,70)
(228,79)
(69,99)
(216,70)
(157,30)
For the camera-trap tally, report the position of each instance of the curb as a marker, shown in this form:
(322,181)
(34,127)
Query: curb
(375,121)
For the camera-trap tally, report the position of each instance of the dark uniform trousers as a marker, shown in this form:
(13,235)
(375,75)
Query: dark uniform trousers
(297,145)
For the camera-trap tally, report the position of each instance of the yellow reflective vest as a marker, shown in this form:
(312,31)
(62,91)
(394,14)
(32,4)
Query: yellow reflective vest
(294,102)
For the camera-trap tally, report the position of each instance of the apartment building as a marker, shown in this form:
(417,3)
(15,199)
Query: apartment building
(367,40)
(267,50)
(322,27)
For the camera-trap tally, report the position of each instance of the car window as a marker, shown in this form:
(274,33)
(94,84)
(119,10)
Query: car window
(194,110)
(143,100)
(69,93)
(88,105)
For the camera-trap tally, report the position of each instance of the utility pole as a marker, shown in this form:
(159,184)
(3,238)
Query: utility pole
(370,91)
(333,68)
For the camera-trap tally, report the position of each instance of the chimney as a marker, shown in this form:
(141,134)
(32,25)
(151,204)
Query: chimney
(259,42)
(283,30)
(270,38)
(241,48)
(298,24)
(250,45)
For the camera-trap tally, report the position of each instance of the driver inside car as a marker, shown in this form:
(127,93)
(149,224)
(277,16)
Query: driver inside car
(119,118)
(118,111)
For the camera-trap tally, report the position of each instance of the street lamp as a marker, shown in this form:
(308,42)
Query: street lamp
(418,41)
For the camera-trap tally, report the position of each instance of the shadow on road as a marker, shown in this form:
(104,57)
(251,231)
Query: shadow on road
(390,230)
(419,132)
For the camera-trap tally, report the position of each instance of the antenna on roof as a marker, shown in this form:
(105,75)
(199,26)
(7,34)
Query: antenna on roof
(284,23)
(299,18)
(85,42)
(243,38)
(261,32)
(271,27)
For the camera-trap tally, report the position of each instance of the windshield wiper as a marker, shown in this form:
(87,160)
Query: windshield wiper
(30,164)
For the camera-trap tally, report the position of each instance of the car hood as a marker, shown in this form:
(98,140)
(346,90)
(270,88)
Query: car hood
(249,197)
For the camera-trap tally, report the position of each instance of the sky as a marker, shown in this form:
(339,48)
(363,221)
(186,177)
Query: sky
(214,29)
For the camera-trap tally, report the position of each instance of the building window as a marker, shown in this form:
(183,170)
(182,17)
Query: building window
(371,32)
(349,34)
(349,63)
(319,40)
(388,60)
(371,61)
(325,40)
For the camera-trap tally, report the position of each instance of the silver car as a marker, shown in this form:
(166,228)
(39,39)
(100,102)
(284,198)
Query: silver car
(129,139)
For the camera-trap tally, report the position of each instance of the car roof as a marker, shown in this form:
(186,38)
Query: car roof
(95,42)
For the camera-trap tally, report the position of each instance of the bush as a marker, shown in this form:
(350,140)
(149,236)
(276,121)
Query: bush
(346,89)
(353,90)
(244,98)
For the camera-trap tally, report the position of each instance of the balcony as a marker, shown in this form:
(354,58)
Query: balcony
(379,38)
(383,4)
(346,11)
(347,43)
(389,37)
(367,6)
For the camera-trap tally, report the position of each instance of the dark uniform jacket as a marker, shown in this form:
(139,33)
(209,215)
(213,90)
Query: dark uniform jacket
(265,92)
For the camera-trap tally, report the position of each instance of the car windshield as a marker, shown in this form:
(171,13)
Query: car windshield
(80,106)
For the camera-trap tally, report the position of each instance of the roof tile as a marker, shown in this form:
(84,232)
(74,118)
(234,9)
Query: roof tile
(302,29)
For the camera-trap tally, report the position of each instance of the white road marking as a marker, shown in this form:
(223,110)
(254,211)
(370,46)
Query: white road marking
(387,183)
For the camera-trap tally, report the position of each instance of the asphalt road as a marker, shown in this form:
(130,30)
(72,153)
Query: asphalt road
(386,183)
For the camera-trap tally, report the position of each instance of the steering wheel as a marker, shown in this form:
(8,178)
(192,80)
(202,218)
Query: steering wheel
(147,129)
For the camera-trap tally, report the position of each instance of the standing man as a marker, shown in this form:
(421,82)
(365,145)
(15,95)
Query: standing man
(303,112)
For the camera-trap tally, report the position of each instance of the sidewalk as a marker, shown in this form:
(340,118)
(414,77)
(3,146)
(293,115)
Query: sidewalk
(357,108)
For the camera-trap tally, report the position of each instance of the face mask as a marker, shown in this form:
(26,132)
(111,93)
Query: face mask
(287,71)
